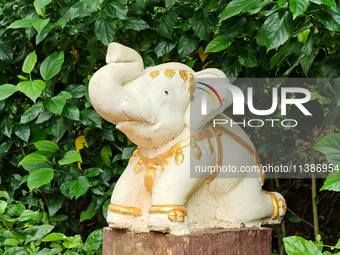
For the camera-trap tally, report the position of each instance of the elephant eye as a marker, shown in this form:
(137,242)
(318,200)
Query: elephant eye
(166,92)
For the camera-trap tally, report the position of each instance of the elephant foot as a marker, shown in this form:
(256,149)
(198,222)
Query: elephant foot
(168,219)
(279,204)
(122,217)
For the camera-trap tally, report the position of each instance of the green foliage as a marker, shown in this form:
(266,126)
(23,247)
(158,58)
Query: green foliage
(53,186)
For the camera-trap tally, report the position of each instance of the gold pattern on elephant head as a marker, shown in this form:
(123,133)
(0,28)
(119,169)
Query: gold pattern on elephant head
(191,84)
(154,74)
(169,73)
(183,74)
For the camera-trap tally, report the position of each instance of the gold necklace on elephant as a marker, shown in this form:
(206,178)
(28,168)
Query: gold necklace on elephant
(162,159)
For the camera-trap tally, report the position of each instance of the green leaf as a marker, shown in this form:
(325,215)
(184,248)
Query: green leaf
(202,23)
(70,157)
(332,182)
(79,186)
(42,35)
(32,89)
(237,6)
(33,158)
(233,27)
(93,242)
(3,206)
(29,215)
(105,30)
(59,129)
(128,150)
(51,65)
(21,23)
(337,246)
(135,24)
(90,117)
(55,203)
(71,112)
(88,213)
(7,90)
(39,4)
(39,177)
(106,154)
(6,124)
(277,29)
(247,58)
(56,104)
(296,245)
(293,218)
(298,7)
(330,18)
(39,232)
(219,43)
(325,2)
(94,3)
(22,131)
(31,113)
(186,45)
(54,237)
(40,24)
(77,91)
(92,172)
(231,67)
(6,52)
(73,242)
(116,10)
(46,146)
(29,62)
(79,10)
(330,146)
(166,24)
(43,116)
(164,48)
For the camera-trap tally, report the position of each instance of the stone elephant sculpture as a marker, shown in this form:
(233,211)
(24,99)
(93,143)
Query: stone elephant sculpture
(156,192)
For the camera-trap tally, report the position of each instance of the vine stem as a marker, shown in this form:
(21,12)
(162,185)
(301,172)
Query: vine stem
(315,206)
(21,244)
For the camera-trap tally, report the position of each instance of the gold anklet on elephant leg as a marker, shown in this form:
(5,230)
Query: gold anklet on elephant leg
(124,209)
(175,212)
(275,201)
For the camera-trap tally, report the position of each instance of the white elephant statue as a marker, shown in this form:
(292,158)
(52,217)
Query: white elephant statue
(156,191)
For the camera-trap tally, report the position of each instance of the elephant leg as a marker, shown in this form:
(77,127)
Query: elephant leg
(250,203)
(167,212)
(129,202)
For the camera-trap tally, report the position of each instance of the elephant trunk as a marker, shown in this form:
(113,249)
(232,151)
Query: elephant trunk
(106,88)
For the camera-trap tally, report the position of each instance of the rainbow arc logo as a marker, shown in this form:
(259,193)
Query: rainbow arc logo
(205,89)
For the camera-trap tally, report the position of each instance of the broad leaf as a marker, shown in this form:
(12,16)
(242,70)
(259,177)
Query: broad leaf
(166,24)
(33,158)
(219,43)
(330,146)
(50,67)
(330,18)
(6,124)
(106,154)
(325,2)
(296,245)
(202,23)
(59,129)
(70,157)
(54,237)
(79,186)
(6,52)
(7,90)
(37,231)
(46,146)
(3,206)
(31,113)
(237,6)
(105,30)
(135,24)
(332,182)
(71,112)
(164,48)
(248,58)
(93,242)
(32,89)
(56,104)
(116,10)
(88,213)
(298,7)
(39,178)
(90,117)
(186,45)
(40,24)
(277,29)
(22,131)
(21,23)
(29,62)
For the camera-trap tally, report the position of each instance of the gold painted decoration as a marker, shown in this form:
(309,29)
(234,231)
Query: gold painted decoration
(191,84)
(154,74)
(209,144)
(183,74)
(175,212)
(276,212)
(169,73)
(124,209)
(160,160)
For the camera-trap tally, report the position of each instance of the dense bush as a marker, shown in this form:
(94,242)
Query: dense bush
(60,160)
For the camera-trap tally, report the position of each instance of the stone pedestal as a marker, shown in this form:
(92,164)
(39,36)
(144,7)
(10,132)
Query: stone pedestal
(241,241)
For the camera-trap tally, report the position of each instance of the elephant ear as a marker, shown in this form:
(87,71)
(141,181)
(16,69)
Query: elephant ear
(210,91)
